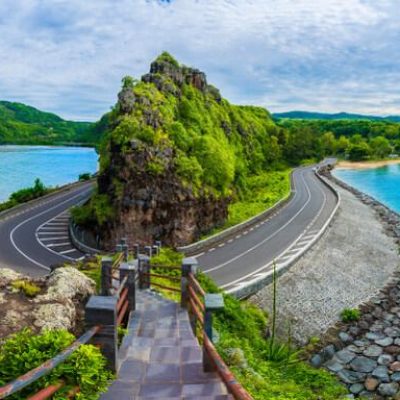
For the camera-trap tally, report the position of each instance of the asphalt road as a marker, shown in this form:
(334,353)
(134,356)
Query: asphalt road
(30,236)
(20,247)
(236,261)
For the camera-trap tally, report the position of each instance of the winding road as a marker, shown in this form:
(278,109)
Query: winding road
(29,234)
(34,236)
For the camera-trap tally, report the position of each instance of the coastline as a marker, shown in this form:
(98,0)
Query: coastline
(343,164)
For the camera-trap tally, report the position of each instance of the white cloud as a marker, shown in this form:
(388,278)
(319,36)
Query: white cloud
(69,56)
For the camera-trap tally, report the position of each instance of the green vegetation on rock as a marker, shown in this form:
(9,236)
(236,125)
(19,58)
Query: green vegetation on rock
(22,124)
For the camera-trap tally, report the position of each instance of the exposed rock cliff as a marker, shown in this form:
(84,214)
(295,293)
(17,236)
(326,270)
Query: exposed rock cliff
(174,154)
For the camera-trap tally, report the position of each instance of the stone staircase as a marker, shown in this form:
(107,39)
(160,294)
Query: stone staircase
(160,358)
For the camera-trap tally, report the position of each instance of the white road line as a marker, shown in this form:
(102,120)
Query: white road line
(67,251)
(50,228)
(51,233)
(268,237)
(238,236)
(212,249)
(221,245)
(32,218)
(53,238)
(230,240)
(289,248)
(58,244)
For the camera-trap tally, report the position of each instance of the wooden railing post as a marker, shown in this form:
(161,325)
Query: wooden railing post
(129,269)
(136,250)
(102,310)
(189,265)
(212,302)
(125,249)
(144,268)
(106,275)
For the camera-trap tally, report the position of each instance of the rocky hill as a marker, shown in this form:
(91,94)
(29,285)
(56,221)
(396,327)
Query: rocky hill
(174,155)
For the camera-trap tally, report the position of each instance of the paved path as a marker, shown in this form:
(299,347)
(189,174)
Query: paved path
(161,358)
(21,229)
(249,255)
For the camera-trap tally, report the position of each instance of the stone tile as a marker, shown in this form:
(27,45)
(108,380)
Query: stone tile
(160,390)
(165,333)
(171,341)
(166,355)
(191,354)
(121,390)
(163,373)
(132,370)
(203,389)
(194,373)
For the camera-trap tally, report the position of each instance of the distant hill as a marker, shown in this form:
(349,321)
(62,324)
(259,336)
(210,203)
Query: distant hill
(22,124)
(341,115)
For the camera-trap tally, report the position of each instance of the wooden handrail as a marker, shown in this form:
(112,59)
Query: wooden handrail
(44,369)
(196,299)
(196,285)
(233,386)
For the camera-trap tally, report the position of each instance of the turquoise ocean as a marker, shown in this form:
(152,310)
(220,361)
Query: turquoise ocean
(382,183)
(21,165)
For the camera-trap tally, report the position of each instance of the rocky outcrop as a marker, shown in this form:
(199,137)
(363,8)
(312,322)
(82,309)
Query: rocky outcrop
(58,305)
(155,206)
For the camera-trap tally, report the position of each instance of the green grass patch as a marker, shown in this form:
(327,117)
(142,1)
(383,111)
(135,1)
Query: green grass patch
(28,288)
(262,192)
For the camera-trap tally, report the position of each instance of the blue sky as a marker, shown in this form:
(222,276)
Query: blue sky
(68,57)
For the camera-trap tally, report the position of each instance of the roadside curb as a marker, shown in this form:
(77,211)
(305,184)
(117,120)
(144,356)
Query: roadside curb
(253,286)
(202,245)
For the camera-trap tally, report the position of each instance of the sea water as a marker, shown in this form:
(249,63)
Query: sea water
(21,165)
(382,183)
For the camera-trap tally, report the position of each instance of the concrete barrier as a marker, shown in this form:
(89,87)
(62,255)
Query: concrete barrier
(253,286)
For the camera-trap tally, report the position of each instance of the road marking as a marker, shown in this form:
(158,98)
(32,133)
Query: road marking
(268,237)
(238,236)
(212,249)
(58,244)
(289,248)
(230,240)
(221,245)
(67,251)
(54,238)
(51,233)
(40,265)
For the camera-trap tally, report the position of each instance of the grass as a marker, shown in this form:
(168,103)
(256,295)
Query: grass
(262,192)
(30,289)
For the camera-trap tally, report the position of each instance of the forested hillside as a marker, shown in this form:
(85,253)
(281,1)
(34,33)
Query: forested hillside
(22,124)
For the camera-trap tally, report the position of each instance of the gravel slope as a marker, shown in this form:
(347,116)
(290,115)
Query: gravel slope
(351,262)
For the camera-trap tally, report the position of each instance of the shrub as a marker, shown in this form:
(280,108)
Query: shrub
(85,176)
(350,314)
(28,288)
(24,351)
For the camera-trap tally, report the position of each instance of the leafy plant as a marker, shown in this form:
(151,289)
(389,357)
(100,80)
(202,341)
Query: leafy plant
(30,289)
(350,314)
(86,367)
(85,176)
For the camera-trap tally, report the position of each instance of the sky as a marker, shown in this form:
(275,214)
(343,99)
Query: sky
(68,57)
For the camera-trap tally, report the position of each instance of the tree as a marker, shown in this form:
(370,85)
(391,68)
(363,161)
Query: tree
(359,152)
(380,147)
(342,144)
(328,143)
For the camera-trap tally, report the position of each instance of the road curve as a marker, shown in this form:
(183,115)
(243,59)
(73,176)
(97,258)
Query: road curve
(250,254)
(20,248)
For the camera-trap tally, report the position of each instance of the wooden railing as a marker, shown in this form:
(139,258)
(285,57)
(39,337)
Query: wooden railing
(44,369)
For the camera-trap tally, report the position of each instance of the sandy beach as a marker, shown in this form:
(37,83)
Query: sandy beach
(366,164)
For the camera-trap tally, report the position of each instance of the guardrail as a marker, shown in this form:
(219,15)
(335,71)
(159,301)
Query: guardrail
(106,312)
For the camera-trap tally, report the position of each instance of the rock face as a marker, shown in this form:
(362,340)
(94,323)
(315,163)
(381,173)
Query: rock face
(58,305)
(155,206)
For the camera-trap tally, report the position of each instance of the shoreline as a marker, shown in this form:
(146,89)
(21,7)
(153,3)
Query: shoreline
(366,164)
